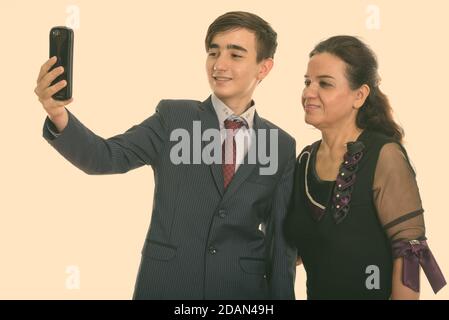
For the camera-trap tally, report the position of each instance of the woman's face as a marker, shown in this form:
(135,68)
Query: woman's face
(327,98)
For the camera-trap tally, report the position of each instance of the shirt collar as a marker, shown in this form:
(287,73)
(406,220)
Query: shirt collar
(224,112)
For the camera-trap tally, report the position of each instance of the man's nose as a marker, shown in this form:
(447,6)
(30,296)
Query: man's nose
(221,63)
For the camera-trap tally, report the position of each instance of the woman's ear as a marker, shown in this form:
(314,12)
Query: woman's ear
(361,96)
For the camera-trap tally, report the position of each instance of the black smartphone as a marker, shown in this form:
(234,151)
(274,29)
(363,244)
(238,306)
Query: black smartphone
(61,46)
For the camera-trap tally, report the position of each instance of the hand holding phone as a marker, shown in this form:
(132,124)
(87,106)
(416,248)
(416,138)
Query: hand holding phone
(61,46)
(54,82)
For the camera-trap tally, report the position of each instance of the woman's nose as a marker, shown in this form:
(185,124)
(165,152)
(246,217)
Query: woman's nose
(309,92)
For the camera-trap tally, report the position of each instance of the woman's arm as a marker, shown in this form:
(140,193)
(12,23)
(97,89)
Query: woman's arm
(399,207)
(399,290)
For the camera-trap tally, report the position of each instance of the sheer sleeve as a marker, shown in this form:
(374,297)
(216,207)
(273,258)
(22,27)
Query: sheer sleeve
(396,195)
(398,204)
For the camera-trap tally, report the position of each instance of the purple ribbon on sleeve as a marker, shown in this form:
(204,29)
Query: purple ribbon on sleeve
(416,253)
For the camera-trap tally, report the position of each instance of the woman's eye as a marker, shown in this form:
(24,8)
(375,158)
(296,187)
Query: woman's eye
(324,84)
(212,54)
(236,56)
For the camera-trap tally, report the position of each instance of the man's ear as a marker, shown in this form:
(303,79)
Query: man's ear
(265,67)
(361,95)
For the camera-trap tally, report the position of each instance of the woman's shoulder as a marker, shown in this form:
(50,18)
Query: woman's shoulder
(387,148)
(374,138)
(374,142)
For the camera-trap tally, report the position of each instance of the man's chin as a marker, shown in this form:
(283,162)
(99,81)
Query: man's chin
(222,95)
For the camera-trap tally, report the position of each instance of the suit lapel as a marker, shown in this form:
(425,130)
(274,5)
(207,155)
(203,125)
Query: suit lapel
(245,169)
(209,120)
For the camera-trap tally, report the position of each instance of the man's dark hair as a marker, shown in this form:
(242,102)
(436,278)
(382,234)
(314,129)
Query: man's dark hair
(266,37)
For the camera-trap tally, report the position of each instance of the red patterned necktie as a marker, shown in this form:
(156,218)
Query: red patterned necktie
(232,127)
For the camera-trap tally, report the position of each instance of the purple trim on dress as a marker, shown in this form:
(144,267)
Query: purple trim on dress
(345,180)
(415,253)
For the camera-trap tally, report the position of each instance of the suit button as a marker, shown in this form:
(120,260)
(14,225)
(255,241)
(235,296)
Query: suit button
(212,250)
(222,214)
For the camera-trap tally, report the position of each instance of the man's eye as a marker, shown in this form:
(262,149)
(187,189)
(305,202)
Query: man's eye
(236,56)
(307,82)
(212,54)
(324,84)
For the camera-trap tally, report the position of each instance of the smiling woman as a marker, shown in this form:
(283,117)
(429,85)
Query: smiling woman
(356,204)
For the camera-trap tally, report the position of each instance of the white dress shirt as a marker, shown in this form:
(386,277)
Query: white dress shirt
(243,136)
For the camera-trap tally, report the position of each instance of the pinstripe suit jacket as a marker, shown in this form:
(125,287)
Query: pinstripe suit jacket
(204,242)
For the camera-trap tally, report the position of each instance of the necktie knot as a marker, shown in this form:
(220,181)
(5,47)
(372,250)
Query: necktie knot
(234,124)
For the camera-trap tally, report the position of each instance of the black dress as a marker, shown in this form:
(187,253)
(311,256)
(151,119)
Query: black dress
(344,229)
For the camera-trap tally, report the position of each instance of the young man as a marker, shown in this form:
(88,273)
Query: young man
(216,227)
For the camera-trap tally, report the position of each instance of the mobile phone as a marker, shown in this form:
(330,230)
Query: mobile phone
(61,46)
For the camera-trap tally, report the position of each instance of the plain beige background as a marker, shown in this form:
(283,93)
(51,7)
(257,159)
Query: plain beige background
(130,54)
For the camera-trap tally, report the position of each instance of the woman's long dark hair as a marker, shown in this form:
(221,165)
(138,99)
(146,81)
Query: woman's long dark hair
(376,113)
